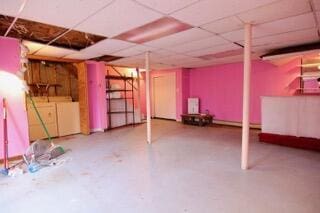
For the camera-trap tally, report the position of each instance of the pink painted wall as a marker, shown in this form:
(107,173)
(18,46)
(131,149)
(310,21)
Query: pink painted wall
(185,90)
(220,87)
(143,95)
(18,135)
(97,95)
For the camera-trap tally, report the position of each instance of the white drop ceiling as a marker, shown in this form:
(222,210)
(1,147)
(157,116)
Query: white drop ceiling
(216,24)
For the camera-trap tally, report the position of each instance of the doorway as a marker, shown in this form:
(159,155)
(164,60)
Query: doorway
(164,96)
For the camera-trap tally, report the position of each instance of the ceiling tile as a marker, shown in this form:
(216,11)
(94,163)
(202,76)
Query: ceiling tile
(199,44)
(52,51)
(108,46)
(180,38)
(231,59)
(58,12)
(277,10)
(295,23)
(135,50)
(171,59)
(223,54)
(165,7)
(159,53)
(161,66)
(299,22)
(130,62)
(316,4)
(295,37)
(318,16)
(224,25)
(208,10)
(204,63)
(119,17)
(82,55)
(236,35)
(211,50)
(33,46)
(10,7)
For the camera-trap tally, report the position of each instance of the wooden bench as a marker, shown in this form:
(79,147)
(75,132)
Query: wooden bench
(196,119)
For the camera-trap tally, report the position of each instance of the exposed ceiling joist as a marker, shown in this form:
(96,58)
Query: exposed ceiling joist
(299,50)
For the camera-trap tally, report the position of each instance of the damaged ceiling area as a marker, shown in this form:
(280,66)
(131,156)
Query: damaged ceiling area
(46,34)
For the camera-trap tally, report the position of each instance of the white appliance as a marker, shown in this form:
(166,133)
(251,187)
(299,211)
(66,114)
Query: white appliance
(193,105)
(293,115)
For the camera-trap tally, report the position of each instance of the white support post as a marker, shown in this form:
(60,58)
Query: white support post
(138,93)
(148,98)
(246,96)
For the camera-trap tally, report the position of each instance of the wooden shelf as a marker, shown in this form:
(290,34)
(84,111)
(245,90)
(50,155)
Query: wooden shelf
(127,94)
(120,112)
(115,77)
(118,90)
(118,98)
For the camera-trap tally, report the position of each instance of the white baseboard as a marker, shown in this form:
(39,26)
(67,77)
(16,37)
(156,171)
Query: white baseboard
(96,130)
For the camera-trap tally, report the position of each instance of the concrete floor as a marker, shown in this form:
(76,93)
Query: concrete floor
(186,169)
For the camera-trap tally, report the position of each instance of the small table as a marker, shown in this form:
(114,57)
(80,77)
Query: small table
(196,119)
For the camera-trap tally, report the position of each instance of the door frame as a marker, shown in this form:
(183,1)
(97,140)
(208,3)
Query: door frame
(153,94)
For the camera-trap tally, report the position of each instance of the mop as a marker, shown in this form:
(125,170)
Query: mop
(40,153)
(5,140)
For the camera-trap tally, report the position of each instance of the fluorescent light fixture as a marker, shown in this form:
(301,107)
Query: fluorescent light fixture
(154,30)
(311,65)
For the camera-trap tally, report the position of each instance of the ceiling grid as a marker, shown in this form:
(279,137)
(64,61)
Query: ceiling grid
(216,27)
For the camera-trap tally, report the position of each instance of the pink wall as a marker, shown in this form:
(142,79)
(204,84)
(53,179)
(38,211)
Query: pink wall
(97,95)
(185,90)
(18,135)
(143,95)
(220,87)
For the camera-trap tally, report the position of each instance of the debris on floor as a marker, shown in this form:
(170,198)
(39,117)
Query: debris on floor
(41,153)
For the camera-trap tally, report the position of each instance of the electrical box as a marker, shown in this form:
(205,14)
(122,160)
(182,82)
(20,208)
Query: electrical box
(193,105)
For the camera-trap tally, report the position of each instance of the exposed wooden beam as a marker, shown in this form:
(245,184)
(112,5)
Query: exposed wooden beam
(48,58)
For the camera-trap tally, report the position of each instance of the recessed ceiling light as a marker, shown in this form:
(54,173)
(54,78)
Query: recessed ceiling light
(154,30)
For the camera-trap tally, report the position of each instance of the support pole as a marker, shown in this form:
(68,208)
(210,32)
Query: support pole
(246,96)
(138,93)
(148,98)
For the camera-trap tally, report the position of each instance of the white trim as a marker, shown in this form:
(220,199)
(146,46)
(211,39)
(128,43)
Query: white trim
(97,130)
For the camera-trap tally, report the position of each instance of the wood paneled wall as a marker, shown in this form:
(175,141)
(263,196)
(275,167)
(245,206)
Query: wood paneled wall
(64,74)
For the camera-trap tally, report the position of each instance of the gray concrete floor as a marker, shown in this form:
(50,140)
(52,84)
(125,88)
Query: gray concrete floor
(186,169)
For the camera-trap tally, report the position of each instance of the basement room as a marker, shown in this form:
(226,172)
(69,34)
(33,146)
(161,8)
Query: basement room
(160,106)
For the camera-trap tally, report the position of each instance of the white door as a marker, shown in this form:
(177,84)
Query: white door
(164,96)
